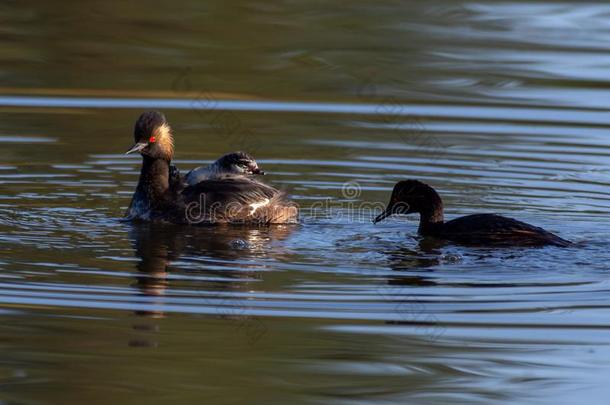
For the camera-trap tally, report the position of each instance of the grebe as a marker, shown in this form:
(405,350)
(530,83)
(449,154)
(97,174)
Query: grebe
(412,196)
(162,195)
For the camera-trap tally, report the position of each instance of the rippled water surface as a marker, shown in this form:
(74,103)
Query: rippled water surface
(503,107)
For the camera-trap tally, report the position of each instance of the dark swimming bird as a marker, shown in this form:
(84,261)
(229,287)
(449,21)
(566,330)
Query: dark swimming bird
(236,163)
(162,195)
(412,196)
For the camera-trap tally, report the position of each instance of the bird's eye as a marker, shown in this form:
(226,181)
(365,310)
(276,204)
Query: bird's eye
(152,139)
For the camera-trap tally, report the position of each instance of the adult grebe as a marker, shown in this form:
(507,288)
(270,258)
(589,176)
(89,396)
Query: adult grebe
(162,195)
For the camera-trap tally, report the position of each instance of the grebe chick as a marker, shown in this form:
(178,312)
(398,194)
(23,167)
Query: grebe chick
(412,196)
(236,163)
(161,195)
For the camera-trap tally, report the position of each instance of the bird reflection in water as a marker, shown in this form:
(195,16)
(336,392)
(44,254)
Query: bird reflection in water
(421,258)
(414,268)
(202,253)
(159,245)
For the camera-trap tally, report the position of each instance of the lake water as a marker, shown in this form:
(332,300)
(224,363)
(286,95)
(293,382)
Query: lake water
(502,106)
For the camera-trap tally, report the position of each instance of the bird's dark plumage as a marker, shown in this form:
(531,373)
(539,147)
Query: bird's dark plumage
(236,200)
(486,229)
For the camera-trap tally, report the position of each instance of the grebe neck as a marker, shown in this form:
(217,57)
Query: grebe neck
(155,176)
(432,218)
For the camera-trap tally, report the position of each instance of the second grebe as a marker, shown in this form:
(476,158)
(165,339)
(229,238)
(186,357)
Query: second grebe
(412,196)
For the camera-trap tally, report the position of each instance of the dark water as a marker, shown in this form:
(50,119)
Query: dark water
(501,106)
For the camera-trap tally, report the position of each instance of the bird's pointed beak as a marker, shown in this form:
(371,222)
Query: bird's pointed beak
(258,171)
(137,148)
(383,215)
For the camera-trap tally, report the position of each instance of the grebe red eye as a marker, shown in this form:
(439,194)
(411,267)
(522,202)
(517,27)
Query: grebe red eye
(152,139)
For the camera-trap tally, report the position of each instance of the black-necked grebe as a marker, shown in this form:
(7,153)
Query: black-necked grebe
(412,196)
(236,164)
(162,195)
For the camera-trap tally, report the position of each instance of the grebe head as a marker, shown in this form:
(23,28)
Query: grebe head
(238,163)
(411,196)
(153,136)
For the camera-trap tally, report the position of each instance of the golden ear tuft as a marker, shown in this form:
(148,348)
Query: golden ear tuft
(165,140)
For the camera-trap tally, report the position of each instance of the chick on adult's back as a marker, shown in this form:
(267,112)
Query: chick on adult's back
(231,164)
